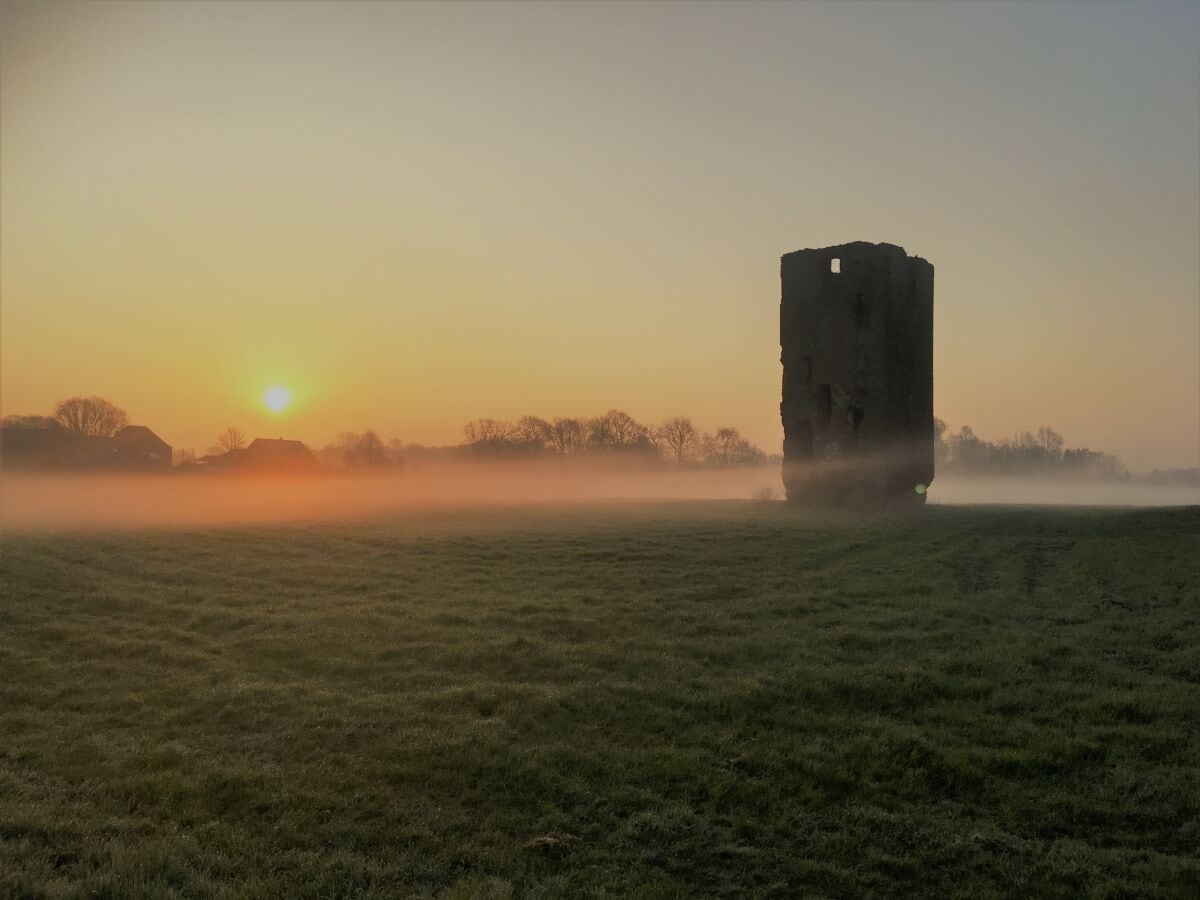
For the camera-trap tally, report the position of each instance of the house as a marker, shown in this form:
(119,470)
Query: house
(134,447)
(137,447)
(49,447)
(265,455)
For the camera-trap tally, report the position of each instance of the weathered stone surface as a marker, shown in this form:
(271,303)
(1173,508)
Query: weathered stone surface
(856,329)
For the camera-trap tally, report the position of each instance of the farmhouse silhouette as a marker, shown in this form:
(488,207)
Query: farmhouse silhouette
(132,448)
(264,455)
(856,331)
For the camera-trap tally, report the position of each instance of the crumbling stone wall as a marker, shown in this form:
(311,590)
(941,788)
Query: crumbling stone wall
(856,330)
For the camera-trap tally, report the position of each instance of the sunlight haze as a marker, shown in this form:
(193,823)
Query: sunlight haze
(416,215)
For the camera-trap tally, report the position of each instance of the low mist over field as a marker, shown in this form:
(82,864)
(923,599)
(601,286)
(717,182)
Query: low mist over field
(74,501)
(32,501)
(1034,490)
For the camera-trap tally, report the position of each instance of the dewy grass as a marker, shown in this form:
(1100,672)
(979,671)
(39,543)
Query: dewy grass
(650,700)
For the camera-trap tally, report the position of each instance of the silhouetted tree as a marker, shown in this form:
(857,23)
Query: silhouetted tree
(1050,441)
(479,432)
(1094,464)
(229,439)
(370,449)
(531,430)
(342,451)
(616,429)
(679,439)
(967,450)
(567,435)
(90,416)
(728,448)
(30,422)
(1025,453)
(352,450)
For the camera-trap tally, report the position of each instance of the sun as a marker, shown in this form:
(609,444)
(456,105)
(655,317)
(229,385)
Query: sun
(277,398)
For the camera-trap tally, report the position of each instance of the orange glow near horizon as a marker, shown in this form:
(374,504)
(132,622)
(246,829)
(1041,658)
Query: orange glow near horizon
(415,215)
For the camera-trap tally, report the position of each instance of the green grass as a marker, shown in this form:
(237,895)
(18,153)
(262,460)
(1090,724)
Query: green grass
(689,699)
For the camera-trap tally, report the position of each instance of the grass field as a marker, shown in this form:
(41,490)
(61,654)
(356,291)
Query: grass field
(649,700)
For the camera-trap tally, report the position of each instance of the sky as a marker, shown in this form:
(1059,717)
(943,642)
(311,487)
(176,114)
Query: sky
(415,215)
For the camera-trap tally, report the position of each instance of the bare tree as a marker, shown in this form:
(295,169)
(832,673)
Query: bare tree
(487,431)
(728,448)
(718,447)
(533,431)
(342,452)
(968,450)
(229,439)
(357,451)
(679,438)
(1027,451)
(1050,441)
(616,429)
(370,449)
(90,416)
(567,435)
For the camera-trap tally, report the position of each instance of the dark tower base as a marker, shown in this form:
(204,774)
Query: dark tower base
(856,329)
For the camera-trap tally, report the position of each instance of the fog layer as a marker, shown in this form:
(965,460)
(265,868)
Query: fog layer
(38,502)
(41,502)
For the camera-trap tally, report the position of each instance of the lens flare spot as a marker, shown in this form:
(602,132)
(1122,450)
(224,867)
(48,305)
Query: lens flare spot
(277,398)
(920,489)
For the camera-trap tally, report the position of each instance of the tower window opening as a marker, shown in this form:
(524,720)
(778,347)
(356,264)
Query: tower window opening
(835,265)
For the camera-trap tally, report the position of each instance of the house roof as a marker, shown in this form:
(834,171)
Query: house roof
(278,446)
(277,451)
(264,454)
(139,434)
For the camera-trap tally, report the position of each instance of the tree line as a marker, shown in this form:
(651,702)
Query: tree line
(676,440)
(1026,453)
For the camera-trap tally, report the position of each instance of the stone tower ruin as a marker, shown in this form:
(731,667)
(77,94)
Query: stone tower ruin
(856,328)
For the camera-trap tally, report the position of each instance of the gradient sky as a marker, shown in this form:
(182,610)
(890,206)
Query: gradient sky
(414,215)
